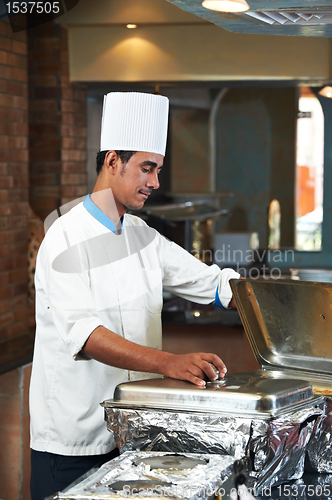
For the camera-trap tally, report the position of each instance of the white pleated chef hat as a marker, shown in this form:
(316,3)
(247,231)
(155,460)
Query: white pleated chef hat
(133,121)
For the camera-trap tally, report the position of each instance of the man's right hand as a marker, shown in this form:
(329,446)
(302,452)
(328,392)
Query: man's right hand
(109,348)
(193,367)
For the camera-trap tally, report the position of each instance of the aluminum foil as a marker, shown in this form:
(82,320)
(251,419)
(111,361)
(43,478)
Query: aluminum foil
(309,487)
(199,483)
(319,452)
(276,447)
(158,430)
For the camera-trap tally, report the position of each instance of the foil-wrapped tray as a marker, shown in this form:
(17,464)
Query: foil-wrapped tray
(275,449)
(157,476)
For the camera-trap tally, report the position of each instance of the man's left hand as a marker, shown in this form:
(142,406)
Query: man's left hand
(232,303)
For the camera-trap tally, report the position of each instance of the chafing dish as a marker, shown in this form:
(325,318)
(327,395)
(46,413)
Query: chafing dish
(274,416)
(271,425)
(249,394)
(288,324)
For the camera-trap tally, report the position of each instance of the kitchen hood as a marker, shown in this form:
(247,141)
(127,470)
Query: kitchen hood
(279,17)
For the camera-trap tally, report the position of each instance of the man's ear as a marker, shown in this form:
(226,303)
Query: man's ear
(111,161)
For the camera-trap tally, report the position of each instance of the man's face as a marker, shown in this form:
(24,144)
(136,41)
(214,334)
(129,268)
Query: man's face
(134,181)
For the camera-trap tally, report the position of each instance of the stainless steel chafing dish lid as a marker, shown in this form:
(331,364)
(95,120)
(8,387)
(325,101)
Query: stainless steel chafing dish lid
(248,394)
(288,324)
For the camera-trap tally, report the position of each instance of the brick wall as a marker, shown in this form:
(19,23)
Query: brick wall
(46,127)
(42,164)
(44,119)
(73,132)
(14,434)
(14,181)
(57,123)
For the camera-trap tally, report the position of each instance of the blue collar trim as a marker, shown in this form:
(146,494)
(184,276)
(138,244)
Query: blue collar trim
(217,301)
(99,215)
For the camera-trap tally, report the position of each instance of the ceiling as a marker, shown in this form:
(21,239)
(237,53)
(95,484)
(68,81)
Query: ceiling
(244,23)
(177,42)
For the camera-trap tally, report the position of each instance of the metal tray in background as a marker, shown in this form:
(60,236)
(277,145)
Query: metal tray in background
(191,210)
(247,394)
(289,327)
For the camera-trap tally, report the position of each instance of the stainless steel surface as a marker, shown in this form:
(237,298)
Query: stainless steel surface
(288,324)
(191,210)
(248,394)
(219,377)
(321,384)
(318,275)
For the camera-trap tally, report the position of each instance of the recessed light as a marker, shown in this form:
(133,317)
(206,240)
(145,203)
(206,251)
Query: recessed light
(226,5)
(326,91)
(131,26)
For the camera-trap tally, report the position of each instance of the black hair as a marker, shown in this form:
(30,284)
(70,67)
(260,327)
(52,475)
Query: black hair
(124,157)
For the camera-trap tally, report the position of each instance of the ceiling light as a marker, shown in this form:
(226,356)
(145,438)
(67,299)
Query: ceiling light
(226,5)
(131,26)
(326,92)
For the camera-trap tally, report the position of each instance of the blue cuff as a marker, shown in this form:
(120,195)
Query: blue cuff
(217,300)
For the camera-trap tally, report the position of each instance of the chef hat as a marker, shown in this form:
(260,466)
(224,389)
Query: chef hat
(133,121)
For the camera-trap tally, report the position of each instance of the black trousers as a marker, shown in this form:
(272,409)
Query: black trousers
(51,473)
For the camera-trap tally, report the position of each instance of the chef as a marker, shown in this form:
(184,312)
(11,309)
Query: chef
(99,279)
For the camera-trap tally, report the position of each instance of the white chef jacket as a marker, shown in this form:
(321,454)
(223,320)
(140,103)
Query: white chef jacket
(87,276)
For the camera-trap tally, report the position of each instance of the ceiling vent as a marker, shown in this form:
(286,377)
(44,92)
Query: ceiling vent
(284,17)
